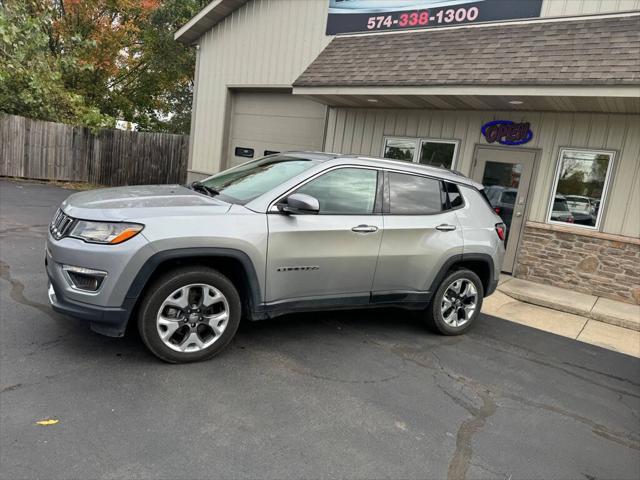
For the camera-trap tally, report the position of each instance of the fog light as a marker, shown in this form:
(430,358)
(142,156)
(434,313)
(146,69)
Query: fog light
(85,279)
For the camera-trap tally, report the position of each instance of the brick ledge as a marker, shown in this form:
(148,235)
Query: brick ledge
(584,232)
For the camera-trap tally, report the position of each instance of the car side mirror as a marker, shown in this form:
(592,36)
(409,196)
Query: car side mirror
(299,203)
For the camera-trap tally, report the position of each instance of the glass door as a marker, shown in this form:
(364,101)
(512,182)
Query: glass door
(506,176)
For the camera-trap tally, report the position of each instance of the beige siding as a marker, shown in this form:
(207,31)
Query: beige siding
(361,131)
(263,43)
(561,8)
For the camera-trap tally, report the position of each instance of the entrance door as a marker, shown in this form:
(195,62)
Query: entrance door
(506,176)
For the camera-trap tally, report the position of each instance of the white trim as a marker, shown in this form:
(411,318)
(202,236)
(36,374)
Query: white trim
(526,21)
(605,189)
(620,91)
(418,141)
(195,19)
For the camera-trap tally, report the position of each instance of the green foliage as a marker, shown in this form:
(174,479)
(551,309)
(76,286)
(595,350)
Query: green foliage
(31,80)
(91,62)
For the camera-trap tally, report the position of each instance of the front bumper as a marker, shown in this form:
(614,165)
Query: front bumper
(109,308)
(110,321)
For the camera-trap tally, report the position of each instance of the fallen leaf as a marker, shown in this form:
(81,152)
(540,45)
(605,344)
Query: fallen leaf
(51,421)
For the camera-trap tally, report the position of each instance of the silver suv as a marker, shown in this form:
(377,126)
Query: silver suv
(286,233)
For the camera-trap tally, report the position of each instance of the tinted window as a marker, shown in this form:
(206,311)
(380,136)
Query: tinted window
(560,205)
(455,198)
(410,195)
(346,191)
(438,154)
(509,197)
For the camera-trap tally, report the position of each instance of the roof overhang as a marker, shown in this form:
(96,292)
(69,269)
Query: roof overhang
(206,19)
(597,99)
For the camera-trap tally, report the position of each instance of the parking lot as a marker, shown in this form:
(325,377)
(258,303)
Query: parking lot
(342,395)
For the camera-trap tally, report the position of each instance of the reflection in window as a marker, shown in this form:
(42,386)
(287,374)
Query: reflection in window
(414,195)
(399,149)
(581,181)
(437,154)
(346,191)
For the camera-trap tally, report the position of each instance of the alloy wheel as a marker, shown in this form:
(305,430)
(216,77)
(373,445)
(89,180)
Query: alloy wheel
(459,302)
(192,318)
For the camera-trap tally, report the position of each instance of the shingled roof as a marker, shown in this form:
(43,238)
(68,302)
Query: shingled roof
(596,51)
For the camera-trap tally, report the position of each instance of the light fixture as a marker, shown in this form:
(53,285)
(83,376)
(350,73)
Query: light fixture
(372,100)
(515,102)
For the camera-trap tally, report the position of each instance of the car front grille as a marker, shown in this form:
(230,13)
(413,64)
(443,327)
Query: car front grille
(60,225)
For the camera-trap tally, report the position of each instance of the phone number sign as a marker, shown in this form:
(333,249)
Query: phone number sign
(349,16)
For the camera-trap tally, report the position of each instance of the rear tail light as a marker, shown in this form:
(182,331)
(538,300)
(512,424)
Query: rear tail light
(497,210)
(501,230)
(571,220)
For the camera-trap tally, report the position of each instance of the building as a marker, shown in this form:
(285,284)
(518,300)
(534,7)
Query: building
(537,99)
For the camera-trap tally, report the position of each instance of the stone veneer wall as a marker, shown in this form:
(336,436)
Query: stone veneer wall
(590,262)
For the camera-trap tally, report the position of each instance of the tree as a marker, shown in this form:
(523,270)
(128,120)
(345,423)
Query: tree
(94,61)
(31,80)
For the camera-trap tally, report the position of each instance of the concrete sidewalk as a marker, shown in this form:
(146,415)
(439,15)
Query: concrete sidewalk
(599,321)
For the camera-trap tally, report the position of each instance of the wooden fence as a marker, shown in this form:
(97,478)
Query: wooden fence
(54,151)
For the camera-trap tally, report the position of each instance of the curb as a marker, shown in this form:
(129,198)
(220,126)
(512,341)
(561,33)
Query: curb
(593,313)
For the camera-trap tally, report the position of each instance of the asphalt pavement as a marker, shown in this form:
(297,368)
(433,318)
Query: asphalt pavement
(341,395)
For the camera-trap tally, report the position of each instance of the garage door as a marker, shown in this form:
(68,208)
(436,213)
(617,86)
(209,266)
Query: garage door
(262,123)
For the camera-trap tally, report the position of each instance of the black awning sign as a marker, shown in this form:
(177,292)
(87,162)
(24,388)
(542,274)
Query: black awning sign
(383,15)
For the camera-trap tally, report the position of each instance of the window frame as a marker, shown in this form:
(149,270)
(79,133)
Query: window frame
(418,142)
(377,203)
(605,188)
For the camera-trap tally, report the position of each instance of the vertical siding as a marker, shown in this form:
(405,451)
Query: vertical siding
(263,43)
(560,8)
(361,131)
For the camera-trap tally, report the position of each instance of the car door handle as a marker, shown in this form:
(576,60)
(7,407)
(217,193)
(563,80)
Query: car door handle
(446,228)
(365,229)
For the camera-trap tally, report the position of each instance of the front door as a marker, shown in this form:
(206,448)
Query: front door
(506,176)
(331,256)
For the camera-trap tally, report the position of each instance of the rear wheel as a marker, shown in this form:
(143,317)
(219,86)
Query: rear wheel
(457,303)
(189,315)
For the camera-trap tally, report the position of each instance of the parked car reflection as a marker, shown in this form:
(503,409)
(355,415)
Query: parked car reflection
(584,212)
(561,211)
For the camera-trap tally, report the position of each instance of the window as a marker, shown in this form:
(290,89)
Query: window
(345,191)
(414,195)
(399,149)
(434,152)
(250,180)
(438,154)
(581,183)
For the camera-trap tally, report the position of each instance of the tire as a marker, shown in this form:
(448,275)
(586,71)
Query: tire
(184,302)
(457,318)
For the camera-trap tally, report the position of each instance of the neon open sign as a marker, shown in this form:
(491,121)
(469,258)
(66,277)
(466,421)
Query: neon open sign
(507,132)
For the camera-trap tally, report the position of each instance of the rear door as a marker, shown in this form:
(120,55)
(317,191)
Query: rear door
(421,231)
(331,255)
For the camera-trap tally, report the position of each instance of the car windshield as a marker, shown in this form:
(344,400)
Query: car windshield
(560,205)
(245,182)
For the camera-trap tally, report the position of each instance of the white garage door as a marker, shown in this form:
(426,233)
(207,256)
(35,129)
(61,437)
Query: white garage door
(262,123)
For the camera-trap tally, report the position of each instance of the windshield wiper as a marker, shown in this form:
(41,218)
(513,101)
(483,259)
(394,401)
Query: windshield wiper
(201,187)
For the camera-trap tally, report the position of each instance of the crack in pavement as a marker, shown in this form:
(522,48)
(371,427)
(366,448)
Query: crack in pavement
(525,354)
(462,456)
(21,228)
(17,293)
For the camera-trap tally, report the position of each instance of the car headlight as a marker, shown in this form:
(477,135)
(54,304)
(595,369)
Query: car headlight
(105,232)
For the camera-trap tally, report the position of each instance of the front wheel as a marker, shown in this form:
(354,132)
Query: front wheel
(457,302)
(189,315)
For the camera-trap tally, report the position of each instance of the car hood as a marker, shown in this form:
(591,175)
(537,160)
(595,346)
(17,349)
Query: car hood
(136,202)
